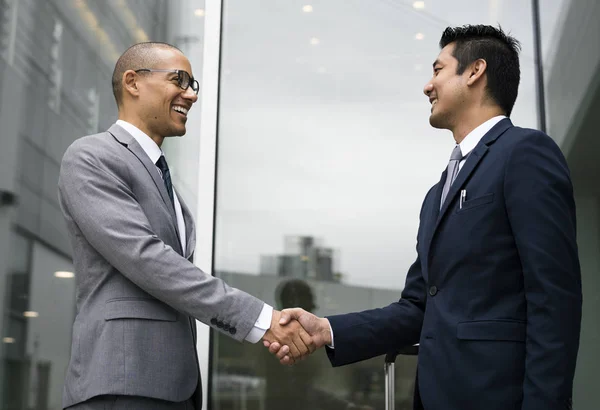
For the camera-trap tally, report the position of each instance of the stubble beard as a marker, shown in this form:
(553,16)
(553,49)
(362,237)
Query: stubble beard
(440,121)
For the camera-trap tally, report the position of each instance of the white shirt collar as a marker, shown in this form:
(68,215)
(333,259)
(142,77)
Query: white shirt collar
(148,145)
(473,138)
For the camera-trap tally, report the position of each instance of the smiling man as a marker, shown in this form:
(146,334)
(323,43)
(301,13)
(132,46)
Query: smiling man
(494,296)
(138,292)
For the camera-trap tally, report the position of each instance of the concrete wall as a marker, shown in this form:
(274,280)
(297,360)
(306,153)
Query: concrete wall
(572,96)
(585,394)
(573,78)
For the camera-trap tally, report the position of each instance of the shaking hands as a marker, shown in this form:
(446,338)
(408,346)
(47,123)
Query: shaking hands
(296,333)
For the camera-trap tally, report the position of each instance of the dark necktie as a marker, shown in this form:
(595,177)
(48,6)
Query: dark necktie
(455,159)
(166,176)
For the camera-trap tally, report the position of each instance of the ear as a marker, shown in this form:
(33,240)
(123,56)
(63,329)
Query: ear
(130,83)
(476,71)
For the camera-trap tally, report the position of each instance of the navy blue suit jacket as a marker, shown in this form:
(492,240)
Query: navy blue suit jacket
(494,297)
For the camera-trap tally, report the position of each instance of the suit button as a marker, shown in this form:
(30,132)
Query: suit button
(213,321)
(220,325)
(226,328)
(232,330)
(433,291)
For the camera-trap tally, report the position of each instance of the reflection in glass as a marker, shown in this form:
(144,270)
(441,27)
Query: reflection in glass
(38,316)
(56,60)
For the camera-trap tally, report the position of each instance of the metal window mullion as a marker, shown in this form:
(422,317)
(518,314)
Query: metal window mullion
(539,65)
(207,168)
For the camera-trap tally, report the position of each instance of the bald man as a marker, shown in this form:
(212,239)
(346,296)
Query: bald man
(133,238)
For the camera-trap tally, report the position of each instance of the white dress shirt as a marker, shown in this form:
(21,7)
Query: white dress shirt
(472,139)
(263,323)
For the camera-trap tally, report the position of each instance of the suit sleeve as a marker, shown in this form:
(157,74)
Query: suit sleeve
(541,210)
(363,335)
(97,197)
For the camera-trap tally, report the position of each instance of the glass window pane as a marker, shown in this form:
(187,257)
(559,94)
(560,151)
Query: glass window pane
(325,156)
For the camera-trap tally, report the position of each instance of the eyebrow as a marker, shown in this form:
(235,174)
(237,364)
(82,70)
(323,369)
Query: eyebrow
(436,62)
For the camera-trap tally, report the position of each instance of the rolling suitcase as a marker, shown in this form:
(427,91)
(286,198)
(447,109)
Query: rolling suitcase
(389,368)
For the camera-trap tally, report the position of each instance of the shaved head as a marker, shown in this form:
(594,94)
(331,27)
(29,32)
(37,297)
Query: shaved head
(138,56)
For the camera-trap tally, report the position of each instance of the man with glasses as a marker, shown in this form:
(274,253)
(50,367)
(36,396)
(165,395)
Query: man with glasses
(133,238)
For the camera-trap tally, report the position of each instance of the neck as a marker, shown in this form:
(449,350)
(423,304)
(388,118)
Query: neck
(136,121)
(472,120)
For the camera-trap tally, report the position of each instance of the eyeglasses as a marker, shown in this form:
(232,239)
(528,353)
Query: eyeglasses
(183,78)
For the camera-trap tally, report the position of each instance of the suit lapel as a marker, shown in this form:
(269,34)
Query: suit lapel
(190,231)
(127,140)
(432,210)
(470,165)
(437,197)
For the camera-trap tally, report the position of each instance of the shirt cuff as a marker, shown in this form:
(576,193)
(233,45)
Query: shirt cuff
(263,323)
(331,330)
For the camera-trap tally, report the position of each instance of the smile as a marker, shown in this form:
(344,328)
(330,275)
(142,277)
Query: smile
(180,109)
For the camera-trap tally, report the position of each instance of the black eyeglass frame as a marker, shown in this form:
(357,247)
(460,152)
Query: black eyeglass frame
(184,79)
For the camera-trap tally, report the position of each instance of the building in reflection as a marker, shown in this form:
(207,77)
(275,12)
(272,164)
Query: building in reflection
(56,63)
(304,257)
(247,376)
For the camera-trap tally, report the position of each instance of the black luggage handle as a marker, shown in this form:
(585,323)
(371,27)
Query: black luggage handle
(406,351)
(388,367)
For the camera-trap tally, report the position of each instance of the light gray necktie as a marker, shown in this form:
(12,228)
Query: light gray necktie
(455,159)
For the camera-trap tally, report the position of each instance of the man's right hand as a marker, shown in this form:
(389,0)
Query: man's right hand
(318,328)
(297,342)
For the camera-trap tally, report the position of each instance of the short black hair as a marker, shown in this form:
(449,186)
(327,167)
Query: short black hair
(138,56)
(499,50)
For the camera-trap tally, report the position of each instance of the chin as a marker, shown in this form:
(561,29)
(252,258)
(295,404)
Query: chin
(434,122)
(178,131)
(437,121)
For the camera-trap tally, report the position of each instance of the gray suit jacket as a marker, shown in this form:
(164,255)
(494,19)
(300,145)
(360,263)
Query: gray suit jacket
(137,290)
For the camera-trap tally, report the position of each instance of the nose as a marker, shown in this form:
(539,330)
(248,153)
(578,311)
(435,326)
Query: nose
(428,88)
(189,94)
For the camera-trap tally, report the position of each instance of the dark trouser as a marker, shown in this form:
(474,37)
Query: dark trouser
(111,402)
